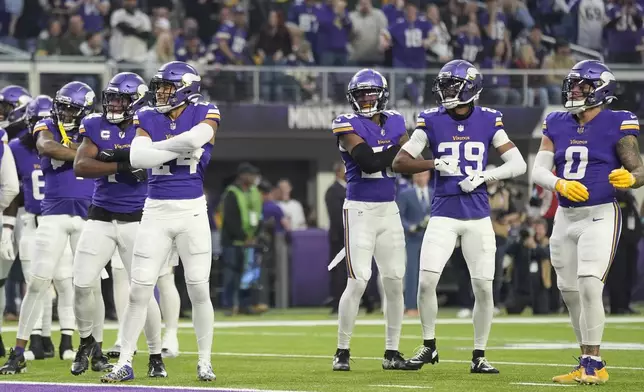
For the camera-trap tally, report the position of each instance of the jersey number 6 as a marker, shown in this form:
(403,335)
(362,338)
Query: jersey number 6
(473,152)
(576,162)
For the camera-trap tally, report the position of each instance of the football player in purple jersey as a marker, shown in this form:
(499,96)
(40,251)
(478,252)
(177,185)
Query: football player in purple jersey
(13,107)
(114,215)
(64,209)
(174,139)
(368,140)
(460,131)
(594,151)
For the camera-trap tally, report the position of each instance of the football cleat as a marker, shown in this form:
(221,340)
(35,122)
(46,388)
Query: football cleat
(341,360)
(101,363)
(156,368)
(394,360)
(16,364)
(205,372)
(573,376)
(481,365)
(114,351)
(48,347)
(119,374)
(65,349)
(36,347)
(422,356)
(81,360)
(593,372)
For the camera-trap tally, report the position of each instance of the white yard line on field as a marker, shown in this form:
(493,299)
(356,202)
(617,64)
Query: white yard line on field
(542,384)
(400,386)
(24,384)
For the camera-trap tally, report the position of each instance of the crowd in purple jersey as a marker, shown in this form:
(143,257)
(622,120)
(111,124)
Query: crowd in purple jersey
(416,34)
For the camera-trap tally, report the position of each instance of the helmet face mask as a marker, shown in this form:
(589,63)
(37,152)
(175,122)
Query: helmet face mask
(116,105)
(589,84)
(368,93)
(124,95)
(175,84)
(458,83)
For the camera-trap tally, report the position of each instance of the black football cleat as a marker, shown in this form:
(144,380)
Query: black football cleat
(65,348)
(394,360)
(341,360)
(156,368)
(48,347)
(36,347)
(101,363)
(482,366)
(16,364)
(81,361)
(423,356)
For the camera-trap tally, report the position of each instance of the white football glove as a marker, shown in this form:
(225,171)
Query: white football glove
(7,251)
(446,165)
(472,182)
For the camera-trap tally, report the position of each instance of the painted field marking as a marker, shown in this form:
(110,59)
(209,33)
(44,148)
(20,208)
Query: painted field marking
(400,386)
(134,386)
(541,384)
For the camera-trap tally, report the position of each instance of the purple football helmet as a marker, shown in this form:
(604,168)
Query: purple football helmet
(39,108)
(72,103)
(174,84)
(458,83)
(588,84)
(368,92)
(123,96)
(13,104)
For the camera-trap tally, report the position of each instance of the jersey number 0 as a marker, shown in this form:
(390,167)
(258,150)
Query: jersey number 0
(576,162)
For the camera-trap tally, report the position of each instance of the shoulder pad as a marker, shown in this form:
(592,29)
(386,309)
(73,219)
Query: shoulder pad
(425,117)
(343,124)
(89,122)
(627,120)
(42,125)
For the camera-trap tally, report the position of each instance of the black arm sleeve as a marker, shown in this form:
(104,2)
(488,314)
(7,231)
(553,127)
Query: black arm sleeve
(373,162)
(232,220)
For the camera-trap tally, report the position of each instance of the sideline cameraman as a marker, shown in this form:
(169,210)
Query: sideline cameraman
(531,270)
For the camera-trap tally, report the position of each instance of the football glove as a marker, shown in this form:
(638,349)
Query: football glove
(446,165)
(7,251)
(114,156)
(472,182)
(621,178)
(572,190)
(139,175)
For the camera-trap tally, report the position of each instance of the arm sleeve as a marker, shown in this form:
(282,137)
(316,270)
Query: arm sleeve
(542,171)
(196,137)
(514,165)
(143,155)
(9,185)
(416,143)
(373,162)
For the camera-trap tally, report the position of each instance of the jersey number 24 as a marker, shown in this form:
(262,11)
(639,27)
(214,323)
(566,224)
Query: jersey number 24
(185,159)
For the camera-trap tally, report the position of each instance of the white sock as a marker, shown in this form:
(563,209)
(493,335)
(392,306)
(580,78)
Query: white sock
(170,302)
(428,303)
(394,311)
(121,288)
(84,310)
(3,303)
(152,326)
(47,309)
(482,312)
(348,310)
(66,319)
(99,312)
(134,319)
(592,310)
(31,307)
(573,303)
(203,318)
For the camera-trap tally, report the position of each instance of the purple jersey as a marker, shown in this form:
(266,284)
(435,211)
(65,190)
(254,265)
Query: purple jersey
(588,154)
(117,192)
(234,36)
(65,194)
(305,17)
(361,186)
(407,38)
(469,141)
(181,178)
(32,182)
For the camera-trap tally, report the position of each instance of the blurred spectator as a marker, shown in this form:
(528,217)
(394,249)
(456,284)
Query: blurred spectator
(94,45)
(25,25)
(528,60)
(334,201)
(439,37)
(457,15)
(162,51)
(189,29)
(192,51)
(408,40)
(559,59)
(498,87)
(334,30)
(622,272)
(519,13)
(74,37)
(493,23)
(300,83)
(468,45)
(368,24)
(93,13)
(623,31)
(231,40)
(292,208)
(415,207)
(50,41)
(303,16)
(394,12)
(273,47)
(534,39)
(131,29)
(588,17)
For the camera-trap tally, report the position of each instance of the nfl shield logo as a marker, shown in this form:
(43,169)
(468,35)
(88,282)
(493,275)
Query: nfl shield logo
(173,126)
(122,134)
(460,128)
(580,130)
(382,132)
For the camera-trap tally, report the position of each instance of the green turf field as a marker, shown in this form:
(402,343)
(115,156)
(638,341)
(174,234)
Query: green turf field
(292,350)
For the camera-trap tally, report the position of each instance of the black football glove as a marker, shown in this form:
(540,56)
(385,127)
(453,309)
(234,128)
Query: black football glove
(139,175)
(114,156)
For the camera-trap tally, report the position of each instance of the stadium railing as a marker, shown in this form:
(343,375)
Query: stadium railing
(253,84)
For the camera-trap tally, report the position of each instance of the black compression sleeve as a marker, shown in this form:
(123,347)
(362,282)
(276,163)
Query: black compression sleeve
(373,162)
